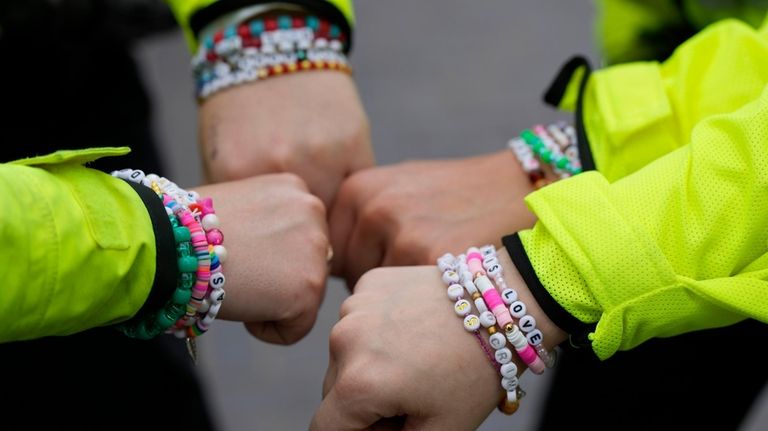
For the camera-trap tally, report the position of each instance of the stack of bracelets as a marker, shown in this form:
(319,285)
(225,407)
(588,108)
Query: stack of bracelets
(500,313)
(200,284)
(554,145)
(267,46)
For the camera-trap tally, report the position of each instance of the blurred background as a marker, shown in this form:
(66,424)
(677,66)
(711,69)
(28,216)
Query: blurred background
(438,80)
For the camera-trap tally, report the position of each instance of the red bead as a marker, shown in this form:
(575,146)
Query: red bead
(211,56)
(298,22)
(324,28)
(218,36)
(270,24)
(244,31)
(252,42)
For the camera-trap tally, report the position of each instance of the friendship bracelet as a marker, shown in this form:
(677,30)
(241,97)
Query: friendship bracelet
(199,293)
(518,310)
(502,356)
(554,145)
(266,47)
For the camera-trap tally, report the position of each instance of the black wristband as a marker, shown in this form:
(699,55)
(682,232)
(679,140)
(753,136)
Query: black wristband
(577,329)
(166,267)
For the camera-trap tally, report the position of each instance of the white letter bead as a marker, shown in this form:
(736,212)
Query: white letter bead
(489,261)
(480,305)
(527,323)
(471,323)
(494,270)
(487,250)
(217,295)
(217,280)
(503,355)
(509,384)
(455,292)
(517,309)
(450,277)
(487,319)
(465,276)
(535,337)
(462,307)
(509,296)
(509,370)
(497,341)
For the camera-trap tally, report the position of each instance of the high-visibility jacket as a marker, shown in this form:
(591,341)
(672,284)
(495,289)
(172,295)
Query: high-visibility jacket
(669,233)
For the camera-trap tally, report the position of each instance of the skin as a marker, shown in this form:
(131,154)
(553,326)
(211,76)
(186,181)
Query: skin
(311,124)
(413,212)
(277,239)
(401,359)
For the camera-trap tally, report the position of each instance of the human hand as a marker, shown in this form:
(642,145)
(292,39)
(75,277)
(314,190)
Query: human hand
(311,124)
(276,238)
(400,356)
(413,212)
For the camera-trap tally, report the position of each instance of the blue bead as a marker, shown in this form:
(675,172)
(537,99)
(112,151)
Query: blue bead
(284,22)
(335,31)
(231,31)
(313,22)
(257,27)
(209,43)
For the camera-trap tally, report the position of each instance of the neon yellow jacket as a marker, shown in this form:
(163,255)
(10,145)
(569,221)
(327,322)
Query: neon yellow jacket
(670,234)
(74,230)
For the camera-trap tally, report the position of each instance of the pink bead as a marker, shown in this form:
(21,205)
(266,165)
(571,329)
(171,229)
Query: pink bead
(496,305)
(186,219)
(529,356)
(206,206)
(215,237)
(475,261)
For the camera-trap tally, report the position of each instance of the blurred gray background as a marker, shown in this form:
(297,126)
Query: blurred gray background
(438,79)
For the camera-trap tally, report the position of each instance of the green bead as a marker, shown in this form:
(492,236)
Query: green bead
(562,163)
(184,249)
(181,296)
(187,264)
(164,321)
(181,234)
(546,156)
(187,279)
(174,221)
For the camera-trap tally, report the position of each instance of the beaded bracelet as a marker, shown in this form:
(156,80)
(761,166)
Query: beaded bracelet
(501,358)
(554,145)
(199,292)
(265,47)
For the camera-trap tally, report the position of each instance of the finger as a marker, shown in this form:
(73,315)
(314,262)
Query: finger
(365,250)
(341,414)
(330,376)
(283,332)
(342,220)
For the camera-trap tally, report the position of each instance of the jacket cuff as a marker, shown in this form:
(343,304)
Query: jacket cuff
(578,331)
(166,267)
(557,90)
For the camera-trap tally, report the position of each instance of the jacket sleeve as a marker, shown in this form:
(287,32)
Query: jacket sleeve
(636,112)
(192,15)
(677,246)
(79,246)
